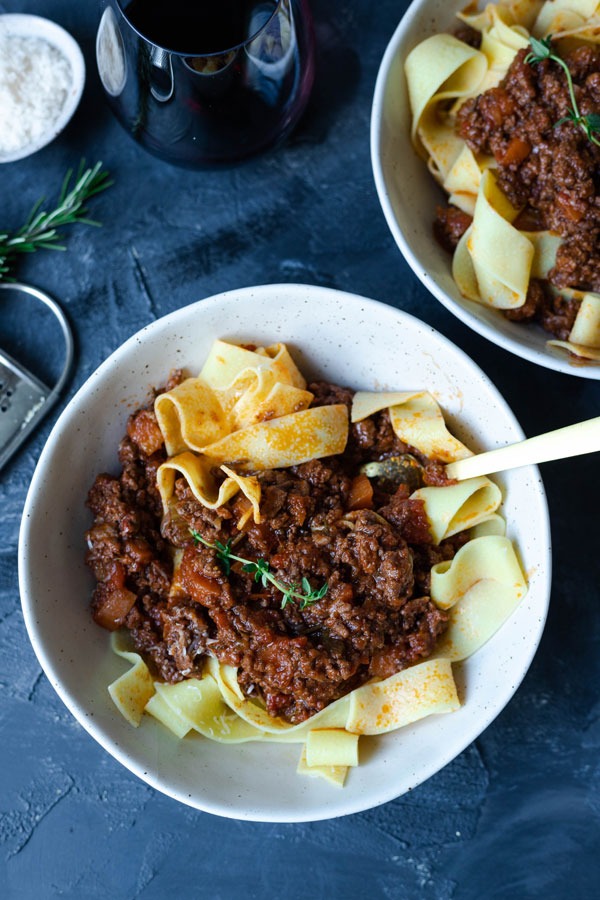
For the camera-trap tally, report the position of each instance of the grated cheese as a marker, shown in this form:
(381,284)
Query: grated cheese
(35,78)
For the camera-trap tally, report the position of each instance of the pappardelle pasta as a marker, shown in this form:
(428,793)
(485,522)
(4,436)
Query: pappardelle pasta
(289,563)
(505,112)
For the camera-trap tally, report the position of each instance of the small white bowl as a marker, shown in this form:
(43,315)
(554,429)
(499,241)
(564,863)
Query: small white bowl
(338,337)
(37,27)
(409,195)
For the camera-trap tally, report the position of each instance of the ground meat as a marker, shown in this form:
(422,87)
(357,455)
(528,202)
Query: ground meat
(375,619)
(449,226)
(550,170)
(468,35)
(554,313)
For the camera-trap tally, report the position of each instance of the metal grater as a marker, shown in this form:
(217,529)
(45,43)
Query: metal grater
(24,399)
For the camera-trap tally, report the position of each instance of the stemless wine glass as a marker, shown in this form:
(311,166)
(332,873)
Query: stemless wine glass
(206,82)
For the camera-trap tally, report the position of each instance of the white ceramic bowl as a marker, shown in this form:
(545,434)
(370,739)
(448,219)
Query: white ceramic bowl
(336,336)
(409,195)
(37,27)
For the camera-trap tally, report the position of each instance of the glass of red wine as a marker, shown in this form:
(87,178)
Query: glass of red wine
(206,82)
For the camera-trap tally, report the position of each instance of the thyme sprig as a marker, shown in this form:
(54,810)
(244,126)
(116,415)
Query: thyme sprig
(41,228)
(543,49)
(261,570)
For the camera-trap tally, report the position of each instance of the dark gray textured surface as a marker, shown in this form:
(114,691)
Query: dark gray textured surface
(517,814)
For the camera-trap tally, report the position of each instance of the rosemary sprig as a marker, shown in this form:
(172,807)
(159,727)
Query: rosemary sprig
(543,49)
(261,570)
(40,229)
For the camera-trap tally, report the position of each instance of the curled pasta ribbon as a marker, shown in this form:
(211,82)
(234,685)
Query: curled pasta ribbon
(463,180)
(521,12)
(333,773)
(457,507)
(493,260)
(197,472)
(266,398)
(227,362)
(416,419)
(286,441)
(247,408)
(255,385)
(569,18)
(190,416)
(236,388)
(131,691)
(544,245)
(502,36)
(481,587)
(197,705)
(584,338)
(410,695)
(441,68)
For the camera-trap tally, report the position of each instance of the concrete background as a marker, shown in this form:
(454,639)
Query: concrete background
(518,813)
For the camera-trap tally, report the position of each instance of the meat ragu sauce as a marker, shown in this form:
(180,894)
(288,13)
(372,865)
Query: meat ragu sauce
(550,171)
(321,520)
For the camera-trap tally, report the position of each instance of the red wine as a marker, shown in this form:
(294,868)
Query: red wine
(198,27)
(192,94)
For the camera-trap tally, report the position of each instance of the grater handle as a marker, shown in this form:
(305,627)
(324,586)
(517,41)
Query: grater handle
(64,325)
(7,451)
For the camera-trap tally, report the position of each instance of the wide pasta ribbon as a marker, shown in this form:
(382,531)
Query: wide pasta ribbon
(236,388)
(569,18)
(441,68)
(481,587)
(416,419)
(197,471)
(502,36)
(410,695)
(584,337)
(286,441)
(130,693)
(247,408)
(513,12)
(492,262)
(226,363)
(457,507)
(190,416)
(463,180)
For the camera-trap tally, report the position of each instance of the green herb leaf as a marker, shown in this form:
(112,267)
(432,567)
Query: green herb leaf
(542,49)
(288,595)
(261,571)
(224,555)
(564,119)
(40,228)
(591,123)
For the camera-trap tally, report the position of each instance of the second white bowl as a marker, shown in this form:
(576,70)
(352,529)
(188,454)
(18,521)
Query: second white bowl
(409,195)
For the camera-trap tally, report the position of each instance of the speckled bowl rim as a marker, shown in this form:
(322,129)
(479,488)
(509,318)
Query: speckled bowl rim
(515,338)
(26,25)
(329,802)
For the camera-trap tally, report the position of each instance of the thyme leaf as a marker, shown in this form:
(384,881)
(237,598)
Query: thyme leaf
(540,49)
(303,593)
(590,124)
